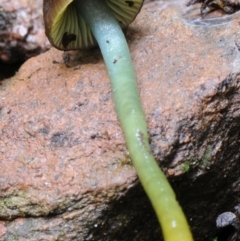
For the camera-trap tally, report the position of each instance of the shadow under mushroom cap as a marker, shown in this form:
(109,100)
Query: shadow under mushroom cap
(66,30)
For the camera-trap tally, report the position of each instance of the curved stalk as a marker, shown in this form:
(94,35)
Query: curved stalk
(117,58)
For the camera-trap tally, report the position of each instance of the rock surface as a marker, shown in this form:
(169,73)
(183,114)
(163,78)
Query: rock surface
(65,172)
(21,30)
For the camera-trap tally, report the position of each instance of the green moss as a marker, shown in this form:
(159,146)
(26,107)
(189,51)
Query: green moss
(185,166)
(206,157)
(126,161)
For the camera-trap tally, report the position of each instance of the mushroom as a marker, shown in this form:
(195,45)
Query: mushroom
(83,23)
(66,28)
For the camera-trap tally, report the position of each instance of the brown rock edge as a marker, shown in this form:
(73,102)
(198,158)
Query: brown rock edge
(65,172)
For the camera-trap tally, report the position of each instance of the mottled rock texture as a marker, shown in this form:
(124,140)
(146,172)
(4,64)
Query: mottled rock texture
(21,30)
(65,172)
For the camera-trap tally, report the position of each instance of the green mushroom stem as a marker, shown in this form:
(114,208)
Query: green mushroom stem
(114,48)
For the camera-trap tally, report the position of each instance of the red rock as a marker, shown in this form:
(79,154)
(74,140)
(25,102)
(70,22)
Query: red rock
(65,173)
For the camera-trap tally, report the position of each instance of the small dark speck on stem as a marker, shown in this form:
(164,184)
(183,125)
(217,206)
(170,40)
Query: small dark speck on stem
(141,136)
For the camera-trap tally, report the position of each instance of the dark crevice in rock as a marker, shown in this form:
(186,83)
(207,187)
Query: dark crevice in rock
(8,70)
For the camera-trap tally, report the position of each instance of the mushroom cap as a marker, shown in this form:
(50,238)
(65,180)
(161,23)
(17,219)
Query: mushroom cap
(68,31)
